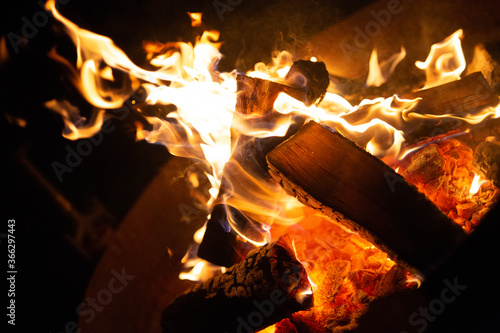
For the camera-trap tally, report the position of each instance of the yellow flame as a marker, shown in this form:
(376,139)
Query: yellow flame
(378,74)
(476,184)
(77,127)
(195,19)
(445,62)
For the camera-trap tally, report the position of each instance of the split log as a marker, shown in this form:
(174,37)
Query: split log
(331,174)
(306,81)
(462,97)
(487,161)
(269,285)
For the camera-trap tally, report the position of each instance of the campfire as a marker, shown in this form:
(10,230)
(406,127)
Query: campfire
(317,204)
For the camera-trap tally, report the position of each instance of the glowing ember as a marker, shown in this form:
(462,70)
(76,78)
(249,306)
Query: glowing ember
(347,271)
(445,174)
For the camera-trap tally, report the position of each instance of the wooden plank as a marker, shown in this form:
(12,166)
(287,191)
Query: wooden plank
(331,174)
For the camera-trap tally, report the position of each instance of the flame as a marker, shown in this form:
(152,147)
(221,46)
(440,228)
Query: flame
(445,62)
(195,19)
(476,184)
(378,74)
(76,126)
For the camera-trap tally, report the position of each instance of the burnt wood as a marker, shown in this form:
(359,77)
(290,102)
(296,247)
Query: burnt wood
(269,285)
(462,98)
(330,173)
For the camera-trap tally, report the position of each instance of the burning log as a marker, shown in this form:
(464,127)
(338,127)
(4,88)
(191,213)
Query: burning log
(269,285)
(487,161)
(465,96)
(462,98)
(331,174)
(306,81)
(459,98)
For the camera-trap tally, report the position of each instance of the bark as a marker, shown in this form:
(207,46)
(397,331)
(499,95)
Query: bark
(269,285)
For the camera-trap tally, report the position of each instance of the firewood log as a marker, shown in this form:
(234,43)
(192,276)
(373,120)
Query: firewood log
(331,174)
(461,98)
(306,81)
(487,161)
(269,285)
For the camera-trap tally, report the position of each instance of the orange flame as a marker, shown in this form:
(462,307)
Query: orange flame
(378,74)
(445,62)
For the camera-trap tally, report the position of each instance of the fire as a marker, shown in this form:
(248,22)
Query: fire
(476,184)
(380,72)
(445,62)
(347,272)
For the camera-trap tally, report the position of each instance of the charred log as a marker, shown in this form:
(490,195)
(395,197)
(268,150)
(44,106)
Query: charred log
(331,174)
(311,78)
(269,285)
(460,98)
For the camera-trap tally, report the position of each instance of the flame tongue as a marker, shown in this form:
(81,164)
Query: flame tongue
(445,62)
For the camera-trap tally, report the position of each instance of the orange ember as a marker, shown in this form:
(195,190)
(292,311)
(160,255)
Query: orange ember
(347,271)
(444,173)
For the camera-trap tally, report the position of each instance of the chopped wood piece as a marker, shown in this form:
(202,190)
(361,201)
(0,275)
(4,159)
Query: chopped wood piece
(487,161)
(463,97)
(331,174)
(257,96)
(269,285)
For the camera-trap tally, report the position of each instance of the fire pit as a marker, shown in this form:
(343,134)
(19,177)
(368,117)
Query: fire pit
(301,198)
